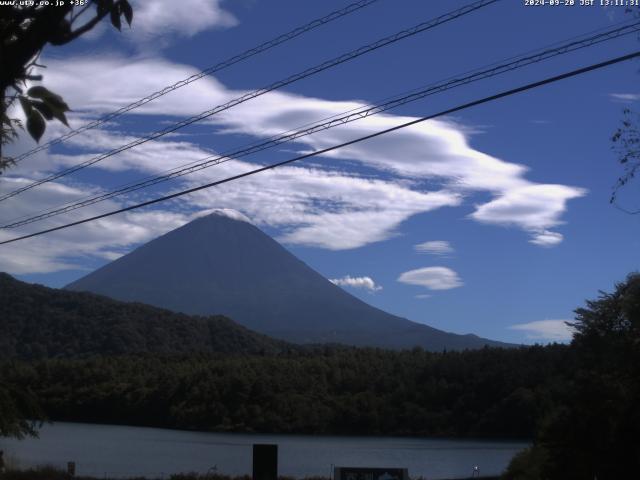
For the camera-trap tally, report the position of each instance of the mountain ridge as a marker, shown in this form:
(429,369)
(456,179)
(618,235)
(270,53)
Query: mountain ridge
(42,322)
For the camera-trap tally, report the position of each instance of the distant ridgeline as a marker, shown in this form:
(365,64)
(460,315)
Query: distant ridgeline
(40,322)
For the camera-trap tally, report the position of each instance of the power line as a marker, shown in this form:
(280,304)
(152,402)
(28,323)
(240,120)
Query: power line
(353,7)
(474,103)
(344,118)
(256,93)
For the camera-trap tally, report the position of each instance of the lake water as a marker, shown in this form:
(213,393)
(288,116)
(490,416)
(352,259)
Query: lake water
(121,451)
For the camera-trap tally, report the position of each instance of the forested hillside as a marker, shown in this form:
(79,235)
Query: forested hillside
(85,357)
(489,392)
(41,322)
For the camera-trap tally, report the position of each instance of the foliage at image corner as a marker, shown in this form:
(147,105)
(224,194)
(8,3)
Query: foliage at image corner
(626,144)
(24,32)
(593,428)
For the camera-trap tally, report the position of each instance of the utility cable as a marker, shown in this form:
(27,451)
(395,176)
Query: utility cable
(340,119)
(353,7)
(465,106)
(256,93)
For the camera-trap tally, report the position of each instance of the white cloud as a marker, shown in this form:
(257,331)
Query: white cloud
(366,283)
(535,208)
(327,209)
(360,220)
(625,97)
(313,206)
(69,249)
(435,149)
(422,296)
(111,256)
(293,197)
(433,278)
(434,247)
(552,330)
(95,84)
(158,18)
(66,249)
(157,23)
(546,238)
(224,212)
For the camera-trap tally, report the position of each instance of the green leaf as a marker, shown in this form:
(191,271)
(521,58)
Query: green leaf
(54,100)
(44,109)
(51,108)
(115,16)
(26,105)
(41,92)
(60,116)
(127,11)
(57,104)
(35,125)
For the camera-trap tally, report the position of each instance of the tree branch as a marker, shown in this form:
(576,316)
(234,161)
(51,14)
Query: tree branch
(87,26)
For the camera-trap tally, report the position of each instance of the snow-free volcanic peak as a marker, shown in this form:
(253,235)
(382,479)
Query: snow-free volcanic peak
(221,263)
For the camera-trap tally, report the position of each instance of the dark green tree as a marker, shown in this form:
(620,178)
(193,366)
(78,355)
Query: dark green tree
(20,412)
(593,430)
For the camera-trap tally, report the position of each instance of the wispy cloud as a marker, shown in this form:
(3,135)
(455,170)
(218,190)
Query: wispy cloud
(433,278)
(156,24)
(69,249)
(365,283)
(546,238)
(625,97)
(313,205)
(225,212)
(552,330)
(162,17)
(434,247)
(534,208)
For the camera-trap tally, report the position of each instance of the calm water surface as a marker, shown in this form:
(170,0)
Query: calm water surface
(121,451)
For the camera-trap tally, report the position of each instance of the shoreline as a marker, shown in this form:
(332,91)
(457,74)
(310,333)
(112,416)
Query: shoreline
(112,451)
(300,434)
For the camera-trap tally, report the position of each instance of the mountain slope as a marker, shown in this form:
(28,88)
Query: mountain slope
(222,265)
(40,322)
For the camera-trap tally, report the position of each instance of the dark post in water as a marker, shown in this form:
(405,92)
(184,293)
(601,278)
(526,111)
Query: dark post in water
(265,462)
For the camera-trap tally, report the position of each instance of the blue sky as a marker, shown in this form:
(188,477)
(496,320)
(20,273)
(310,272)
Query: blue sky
(494,221)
